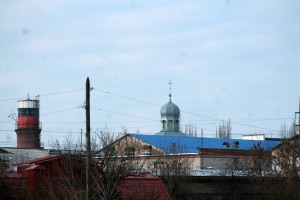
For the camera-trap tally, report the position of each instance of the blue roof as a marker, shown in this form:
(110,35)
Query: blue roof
(190,144)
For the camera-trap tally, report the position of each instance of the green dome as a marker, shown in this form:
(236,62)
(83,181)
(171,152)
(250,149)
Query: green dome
(170,109)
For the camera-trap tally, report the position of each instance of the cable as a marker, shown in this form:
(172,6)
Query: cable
(255,127)
(248,120)
(13,99)
(61,92)
(213,118)
(96,122)
(61,111)
(43,95)
(133,99)
(124,114)
(127,97)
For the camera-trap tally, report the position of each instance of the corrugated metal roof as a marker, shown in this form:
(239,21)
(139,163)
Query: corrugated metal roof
(190,144)
(34,167)
(21,155)
(40,160)
(142,186)
(12,174)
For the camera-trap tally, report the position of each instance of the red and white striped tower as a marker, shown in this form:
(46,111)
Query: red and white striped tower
(28,126)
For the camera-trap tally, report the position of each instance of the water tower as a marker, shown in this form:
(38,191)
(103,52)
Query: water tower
(28,127)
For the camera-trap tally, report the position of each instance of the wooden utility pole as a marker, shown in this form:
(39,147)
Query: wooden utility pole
(88,141)
(202,149)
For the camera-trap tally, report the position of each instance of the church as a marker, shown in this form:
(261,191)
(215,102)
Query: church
(198,152)
(170,119)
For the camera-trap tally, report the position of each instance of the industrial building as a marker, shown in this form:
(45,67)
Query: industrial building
(28,130)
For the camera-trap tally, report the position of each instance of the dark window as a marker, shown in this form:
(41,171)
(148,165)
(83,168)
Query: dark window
(110,151)
(147,150)
(28,112)
(226,145)
(164,124)
(130,151)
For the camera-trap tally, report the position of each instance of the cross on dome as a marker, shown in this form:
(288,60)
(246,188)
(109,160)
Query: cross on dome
(170,83)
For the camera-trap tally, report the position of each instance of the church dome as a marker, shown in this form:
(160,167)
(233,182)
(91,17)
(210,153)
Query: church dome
(170,109)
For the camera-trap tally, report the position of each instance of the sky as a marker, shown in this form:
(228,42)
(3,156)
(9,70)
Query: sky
(230,59)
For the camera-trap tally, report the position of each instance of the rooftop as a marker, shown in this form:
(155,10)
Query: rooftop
(191,144)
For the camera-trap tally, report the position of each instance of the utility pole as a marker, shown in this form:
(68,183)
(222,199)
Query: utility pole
(202,149)
(88,141)
(81,139)
(298,125)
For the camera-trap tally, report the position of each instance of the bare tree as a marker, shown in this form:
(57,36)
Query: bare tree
(174,168)
(288,132)
(113,155)
(275,176)
(286,167)
(190,130)
(117,159)
(224,130)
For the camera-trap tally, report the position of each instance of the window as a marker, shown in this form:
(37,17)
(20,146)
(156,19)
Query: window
(226,145)
(164,124)
(147,150)
(110,151)
(28,112)
(130,151)
(176,125)
(235,144)
(170,124)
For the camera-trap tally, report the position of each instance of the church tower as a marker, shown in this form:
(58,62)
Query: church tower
(170,119)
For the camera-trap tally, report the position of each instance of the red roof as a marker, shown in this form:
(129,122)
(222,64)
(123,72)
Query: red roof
(12,174)
(40,160)
(143,186)
(34,167)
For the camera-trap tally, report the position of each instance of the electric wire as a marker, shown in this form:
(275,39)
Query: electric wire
(190,113)
(100,109)
(126,97)
(50,94)
(59,111)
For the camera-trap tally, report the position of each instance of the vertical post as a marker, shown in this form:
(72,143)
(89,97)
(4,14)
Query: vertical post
(299,118)
(202,149)
(88,142)
(297,125)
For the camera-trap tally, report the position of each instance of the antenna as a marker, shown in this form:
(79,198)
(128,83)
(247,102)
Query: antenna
(14,117)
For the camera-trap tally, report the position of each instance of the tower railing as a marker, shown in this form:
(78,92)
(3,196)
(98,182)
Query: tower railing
(28,125)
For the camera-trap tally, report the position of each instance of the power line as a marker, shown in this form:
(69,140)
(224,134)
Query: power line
(56,93)
(65,92)
(61,111)
(100,109)
(255,127)
(127,97)
(144,102)
(248,120)
(190,113)
(118,122)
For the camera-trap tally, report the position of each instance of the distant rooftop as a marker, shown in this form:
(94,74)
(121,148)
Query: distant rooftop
(190,144)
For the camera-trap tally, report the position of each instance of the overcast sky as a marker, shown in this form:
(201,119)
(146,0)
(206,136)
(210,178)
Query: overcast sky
(226,59)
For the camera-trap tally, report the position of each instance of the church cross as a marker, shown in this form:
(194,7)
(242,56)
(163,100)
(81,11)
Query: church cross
(170,83)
